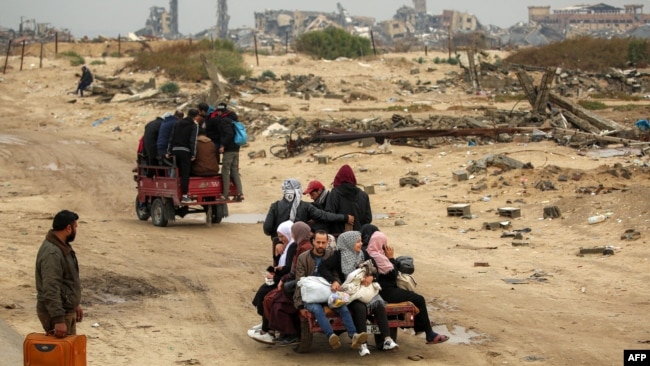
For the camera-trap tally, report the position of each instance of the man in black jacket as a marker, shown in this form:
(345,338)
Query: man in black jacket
(182,144)
(291,207)
(318,193)
(151,131)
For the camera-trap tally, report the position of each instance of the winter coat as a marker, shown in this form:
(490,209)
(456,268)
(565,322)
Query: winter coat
(348,199)
(280,210)
(206,163)
(227,135)
(57,278)
(151,131)
(164,133)
(183,137)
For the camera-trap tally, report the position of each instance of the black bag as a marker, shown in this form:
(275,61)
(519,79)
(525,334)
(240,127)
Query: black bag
(405,264)
(289,287)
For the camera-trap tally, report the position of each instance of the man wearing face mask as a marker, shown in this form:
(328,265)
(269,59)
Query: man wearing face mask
(291,207)
(57,278)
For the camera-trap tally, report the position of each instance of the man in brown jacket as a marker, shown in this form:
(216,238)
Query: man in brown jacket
(206,163)
(57,278)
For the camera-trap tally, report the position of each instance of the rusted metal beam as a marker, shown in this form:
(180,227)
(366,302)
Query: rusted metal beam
(340,135)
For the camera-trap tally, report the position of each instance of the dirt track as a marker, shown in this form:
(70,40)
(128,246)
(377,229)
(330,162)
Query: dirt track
(181,294)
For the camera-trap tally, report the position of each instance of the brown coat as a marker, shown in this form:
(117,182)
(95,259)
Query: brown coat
(206,163)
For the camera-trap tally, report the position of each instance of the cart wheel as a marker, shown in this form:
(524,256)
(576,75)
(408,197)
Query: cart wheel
(219,212)
(379,339)
(142,210)
(158,217)
(305,337)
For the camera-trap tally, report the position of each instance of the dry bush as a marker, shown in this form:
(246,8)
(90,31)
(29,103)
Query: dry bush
(584,53)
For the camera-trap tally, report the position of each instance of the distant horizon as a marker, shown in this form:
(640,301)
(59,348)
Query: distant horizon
(93,18)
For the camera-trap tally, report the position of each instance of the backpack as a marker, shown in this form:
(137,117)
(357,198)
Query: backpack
(240,133)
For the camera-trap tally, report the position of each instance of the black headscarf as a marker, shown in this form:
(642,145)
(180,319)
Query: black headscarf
(366,232)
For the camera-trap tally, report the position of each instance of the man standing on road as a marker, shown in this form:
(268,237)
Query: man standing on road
(57,278)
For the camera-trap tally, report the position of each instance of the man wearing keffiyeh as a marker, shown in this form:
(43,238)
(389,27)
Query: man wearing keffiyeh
(291,207)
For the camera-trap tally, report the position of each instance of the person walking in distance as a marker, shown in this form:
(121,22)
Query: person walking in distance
(58,285)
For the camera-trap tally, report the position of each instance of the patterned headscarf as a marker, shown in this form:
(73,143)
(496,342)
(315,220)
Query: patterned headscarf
(349,258)
(376,250)
(345,175)
(285,229)
(292,193)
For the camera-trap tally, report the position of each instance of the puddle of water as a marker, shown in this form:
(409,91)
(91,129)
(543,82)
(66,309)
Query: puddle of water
(461,335)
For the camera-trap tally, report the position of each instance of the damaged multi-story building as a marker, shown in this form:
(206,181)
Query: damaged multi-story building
(590,17)
(291,24)
(408,21)
(161,23)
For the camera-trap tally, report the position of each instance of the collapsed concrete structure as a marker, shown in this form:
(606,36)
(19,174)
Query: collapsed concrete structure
(590,17)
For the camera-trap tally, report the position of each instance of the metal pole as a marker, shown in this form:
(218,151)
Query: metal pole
(40,61)
(119,45)
(256,56)
(449,40)
(7,58)
(372,39)
(286,43)
(56,44)
(22,56)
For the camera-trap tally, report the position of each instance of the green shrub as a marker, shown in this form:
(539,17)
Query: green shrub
(453,60)
(98,62)
(268,74)
(75,58)
(592,105)
(182,61)
(420,60)
(170,87)
(333,43)
(437,60)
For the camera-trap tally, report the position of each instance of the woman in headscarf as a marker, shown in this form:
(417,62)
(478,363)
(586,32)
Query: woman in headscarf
(291,207)
(337,267)
(366,232)
(282,314)
(273,276)
(383,255)
(348,199)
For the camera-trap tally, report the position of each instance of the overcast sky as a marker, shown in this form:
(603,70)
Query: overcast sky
(113,17)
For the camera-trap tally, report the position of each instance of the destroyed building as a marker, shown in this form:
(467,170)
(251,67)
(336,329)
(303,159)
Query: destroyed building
(161,23)
(590,17)
(290,24)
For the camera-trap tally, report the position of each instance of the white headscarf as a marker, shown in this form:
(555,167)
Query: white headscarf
(285,229)
(292,192)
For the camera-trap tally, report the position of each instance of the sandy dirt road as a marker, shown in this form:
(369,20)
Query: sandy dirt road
(181,295)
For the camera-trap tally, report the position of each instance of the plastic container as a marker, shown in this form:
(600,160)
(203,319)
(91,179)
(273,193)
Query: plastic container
(596,219)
